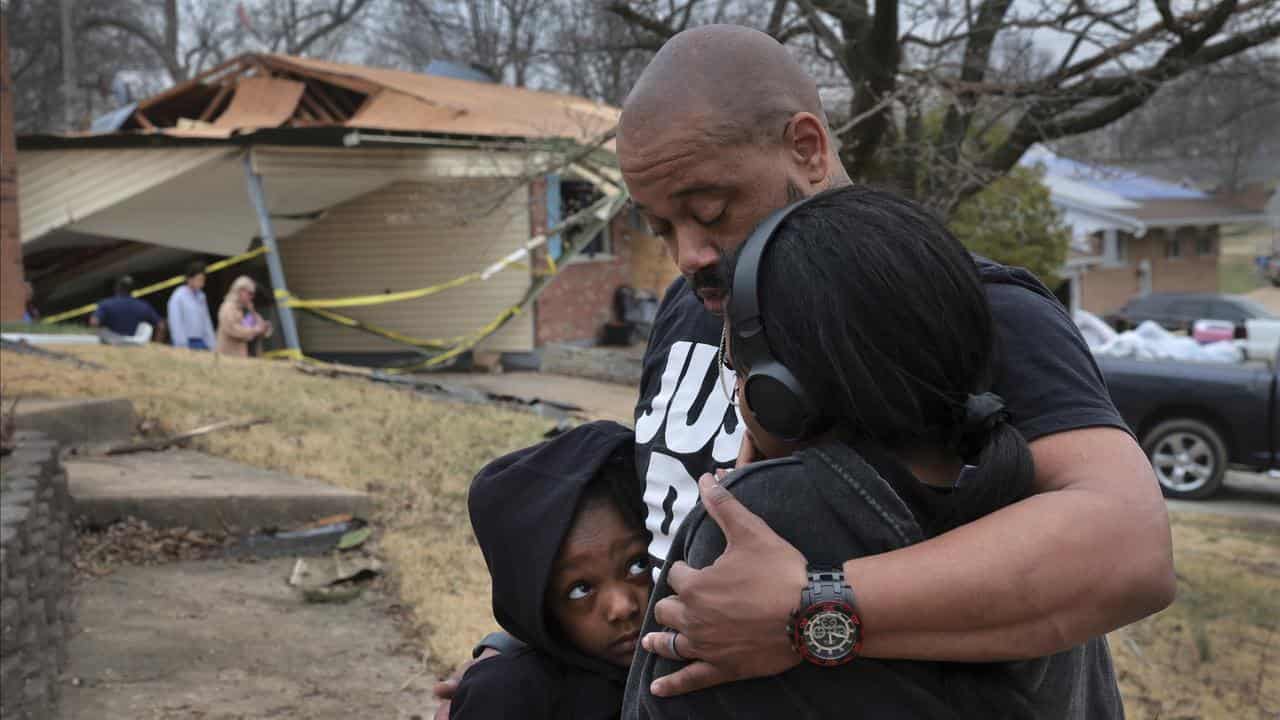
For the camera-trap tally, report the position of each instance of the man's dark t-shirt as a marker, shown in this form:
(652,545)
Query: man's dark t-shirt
(121,314)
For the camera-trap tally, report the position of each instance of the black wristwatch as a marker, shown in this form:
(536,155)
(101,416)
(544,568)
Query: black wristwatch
(826,630)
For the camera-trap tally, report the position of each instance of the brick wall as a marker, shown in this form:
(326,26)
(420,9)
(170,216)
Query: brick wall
(580,301)
(652,268)
(12,290)
(1103,290)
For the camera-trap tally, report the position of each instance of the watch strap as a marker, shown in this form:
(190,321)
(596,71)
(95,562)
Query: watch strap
(826,584)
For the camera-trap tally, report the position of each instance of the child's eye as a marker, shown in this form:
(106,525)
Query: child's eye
(579,591)
(639,566)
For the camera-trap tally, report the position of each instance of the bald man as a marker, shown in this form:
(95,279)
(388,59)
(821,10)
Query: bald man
(722,128)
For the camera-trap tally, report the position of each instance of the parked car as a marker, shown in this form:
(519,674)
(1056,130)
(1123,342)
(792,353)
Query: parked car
(1195,420)
(1179,311)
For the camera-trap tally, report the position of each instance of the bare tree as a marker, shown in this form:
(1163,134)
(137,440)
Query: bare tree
(1215,127)
(155,43)
(504,39)
(943,96)
(300,27)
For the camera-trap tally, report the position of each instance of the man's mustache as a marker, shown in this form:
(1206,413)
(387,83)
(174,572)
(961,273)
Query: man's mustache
(708,278)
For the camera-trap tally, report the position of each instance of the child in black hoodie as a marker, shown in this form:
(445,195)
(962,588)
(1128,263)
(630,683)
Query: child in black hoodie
(561,527)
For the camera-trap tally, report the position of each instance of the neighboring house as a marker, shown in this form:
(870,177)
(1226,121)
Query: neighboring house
(376,181)
(1133,234)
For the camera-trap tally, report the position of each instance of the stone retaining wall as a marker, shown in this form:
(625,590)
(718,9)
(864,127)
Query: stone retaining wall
(36,547)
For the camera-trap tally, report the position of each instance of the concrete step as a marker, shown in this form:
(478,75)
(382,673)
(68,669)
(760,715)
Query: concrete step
(78,422)
(190,489)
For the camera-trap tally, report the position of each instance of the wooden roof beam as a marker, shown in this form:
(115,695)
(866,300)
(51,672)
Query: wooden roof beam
(309,104)
(314,88)
(218,99)
(234,66)
(342,81)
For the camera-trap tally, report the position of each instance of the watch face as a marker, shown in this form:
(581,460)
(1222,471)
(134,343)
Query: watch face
(829,633)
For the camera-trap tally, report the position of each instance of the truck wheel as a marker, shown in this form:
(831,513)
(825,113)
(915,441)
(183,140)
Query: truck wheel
(1189,458)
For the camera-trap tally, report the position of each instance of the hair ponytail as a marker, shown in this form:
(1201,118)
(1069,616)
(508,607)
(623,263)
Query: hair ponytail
(1000,474)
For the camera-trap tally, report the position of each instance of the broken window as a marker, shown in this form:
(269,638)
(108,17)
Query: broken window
(576,195)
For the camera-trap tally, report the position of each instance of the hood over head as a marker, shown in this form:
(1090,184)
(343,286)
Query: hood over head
(522,506)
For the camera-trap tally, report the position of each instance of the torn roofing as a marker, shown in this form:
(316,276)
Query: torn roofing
(259,91)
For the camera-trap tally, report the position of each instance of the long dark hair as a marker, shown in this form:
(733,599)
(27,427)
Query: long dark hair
(880,314)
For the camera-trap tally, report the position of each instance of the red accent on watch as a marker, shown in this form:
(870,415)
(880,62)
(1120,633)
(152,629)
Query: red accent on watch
(826,630)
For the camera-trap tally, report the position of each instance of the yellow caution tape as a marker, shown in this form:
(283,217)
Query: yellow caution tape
(157,287)
(345,321)
(589,215)
(285,354)
(602,210)
(382,299)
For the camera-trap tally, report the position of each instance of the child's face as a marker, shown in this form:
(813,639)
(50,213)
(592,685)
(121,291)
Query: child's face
(600,585)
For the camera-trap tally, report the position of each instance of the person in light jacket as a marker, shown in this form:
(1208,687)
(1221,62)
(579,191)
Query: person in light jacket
(189,323)
(239,325)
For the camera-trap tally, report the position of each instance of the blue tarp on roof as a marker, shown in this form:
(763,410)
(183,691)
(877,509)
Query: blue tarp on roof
(112,121)
(459,71)
(1122,182)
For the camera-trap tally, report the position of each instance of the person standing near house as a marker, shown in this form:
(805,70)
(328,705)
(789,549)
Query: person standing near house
(239,325)
(30,313)
(123,313)
(189,323)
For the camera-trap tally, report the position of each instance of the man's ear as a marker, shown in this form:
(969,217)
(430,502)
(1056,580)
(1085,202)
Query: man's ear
(808,146)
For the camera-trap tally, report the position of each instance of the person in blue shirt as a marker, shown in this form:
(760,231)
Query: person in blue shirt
(189,323)
(122,313)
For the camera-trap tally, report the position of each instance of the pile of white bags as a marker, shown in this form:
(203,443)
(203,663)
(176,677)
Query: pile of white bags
(1149,341)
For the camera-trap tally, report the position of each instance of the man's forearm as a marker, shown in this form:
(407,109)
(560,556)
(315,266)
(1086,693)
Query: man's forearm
(1035,578)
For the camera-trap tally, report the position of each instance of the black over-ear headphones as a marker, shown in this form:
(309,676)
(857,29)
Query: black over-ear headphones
(776,398)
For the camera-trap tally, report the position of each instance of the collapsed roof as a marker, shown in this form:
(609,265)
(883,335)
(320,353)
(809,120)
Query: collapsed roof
(261,90)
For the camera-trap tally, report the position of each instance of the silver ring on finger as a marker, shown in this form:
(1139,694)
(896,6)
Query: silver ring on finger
(672,645)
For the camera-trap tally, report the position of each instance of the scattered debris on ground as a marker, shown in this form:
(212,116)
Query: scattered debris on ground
(544,408)
(135,542)
(314,538)
(23,347)
(157,444)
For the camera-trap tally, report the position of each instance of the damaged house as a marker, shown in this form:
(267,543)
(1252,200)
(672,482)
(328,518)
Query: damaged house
(374,181)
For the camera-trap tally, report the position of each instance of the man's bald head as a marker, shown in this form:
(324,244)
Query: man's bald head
(738,85)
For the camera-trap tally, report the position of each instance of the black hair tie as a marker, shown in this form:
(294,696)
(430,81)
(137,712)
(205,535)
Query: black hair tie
(976,420)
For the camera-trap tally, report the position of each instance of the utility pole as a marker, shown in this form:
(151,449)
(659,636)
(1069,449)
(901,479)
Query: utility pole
(68,69)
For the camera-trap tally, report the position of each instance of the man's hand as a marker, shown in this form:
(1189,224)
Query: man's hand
(730,634)
(446,688)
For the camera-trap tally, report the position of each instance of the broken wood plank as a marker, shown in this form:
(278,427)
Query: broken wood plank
(313,108)
(212,107)
(323,97)
(333,370)
(164,442)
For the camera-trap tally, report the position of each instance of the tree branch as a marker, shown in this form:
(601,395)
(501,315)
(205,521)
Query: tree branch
(338,19)
(776,16)
(662,30)
(126,25)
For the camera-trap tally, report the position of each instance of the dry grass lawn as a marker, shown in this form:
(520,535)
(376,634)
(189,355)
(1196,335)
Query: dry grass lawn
(416,455)
(1212,655)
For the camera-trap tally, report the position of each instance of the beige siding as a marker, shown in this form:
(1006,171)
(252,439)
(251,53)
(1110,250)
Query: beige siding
(409,235)
(60,187)
(405,162)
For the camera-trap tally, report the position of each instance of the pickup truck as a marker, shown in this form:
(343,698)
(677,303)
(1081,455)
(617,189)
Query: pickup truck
(1194,420)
